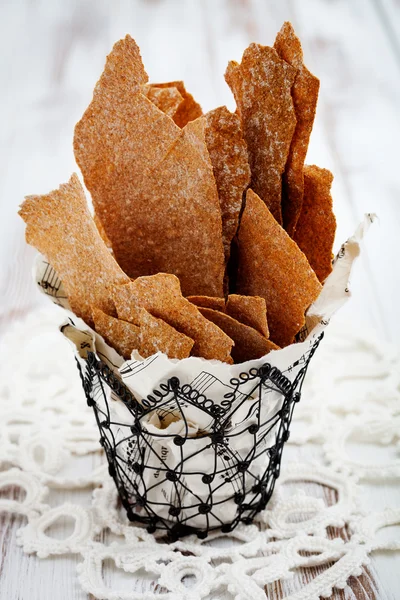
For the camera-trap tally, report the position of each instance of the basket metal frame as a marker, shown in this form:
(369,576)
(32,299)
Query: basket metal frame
(250,493)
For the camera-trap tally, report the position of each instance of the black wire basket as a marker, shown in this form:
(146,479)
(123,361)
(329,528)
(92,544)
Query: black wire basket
(181,479)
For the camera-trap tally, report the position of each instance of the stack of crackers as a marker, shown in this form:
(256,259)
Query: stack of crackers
(210,236)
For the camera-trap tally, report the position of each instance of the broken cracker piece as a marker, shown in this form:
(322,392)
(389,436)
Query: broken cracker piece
(166,99)
(189,109)
(122,336)
(152,189)
(249,343)
(228,154)
(272,266)
(208,302)
(120,137)
(262,86)
(250,310)
(60,226)
(157,336)
(161,296)
(178,220)
(315,231)
(305,96)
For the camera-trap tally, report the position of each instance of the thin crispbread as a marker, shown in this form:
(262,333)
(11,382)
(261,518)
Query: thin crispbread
(249,343)
(152,189)
(249,310)
(208,302)
(161,296)
(272,266)
(157,336)
(122,336)
(316,227)
(178,221)
(60,226)
(166,99)
(305,96)
(262,86)
(189,109)
(229,159)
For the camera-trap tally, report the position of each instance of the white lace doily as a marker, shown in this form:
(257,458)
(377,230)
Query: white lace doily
(351,394)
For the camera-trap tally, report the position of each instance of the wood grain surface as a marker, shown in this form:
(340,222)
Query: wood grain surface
(53,51)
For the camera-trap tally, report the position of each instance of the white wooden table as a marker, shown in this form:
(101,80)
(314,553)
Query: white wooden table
(52,52)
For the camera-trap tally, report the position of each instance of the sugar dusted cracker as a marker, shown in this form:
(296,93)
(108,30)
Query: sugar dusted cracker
(229,159)
(249,343)
(272,266)
(166,99)
(249,310)
(305,96)
(157,336)
(188,110)
(316,227)
(208,302)
(151,187)
(161,296)
(262,86)
(122,336)
(60,226)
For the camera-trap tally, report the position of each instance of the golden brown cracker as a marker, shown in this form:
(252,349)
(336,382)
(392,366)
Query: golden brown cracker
(208,302)
(178,226)
(60,226)
(120,137)
(228,154)
(250,310)
(189,109)
(249,343)
(151,187)
(195,132)
(272,266)
(157,336)
(262,86)
(316,226)
(305,96)
(166,99)
(161,296)
(122,336)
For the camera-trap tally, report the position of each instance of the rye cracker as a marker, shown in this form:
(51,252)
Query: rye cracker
(157,336)
(208,302)
(122,336)
(166,99)
(189,109)
(272,266)
(60,226)
(305,96)
(153,191)
(249,343)
(262,86)
(121,135)
(195,132)
(316,227)
(161,296)
(249,310)
(178,226)
(229,159)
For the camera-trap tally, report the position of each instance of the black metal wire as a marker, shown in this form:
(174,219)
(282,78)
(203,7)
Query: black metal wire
(228,471)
